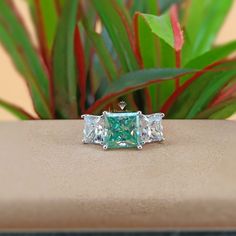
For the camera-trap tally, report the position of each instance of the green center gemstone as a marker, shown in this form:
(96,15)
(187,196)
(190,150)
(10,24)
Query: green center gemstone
(122,130)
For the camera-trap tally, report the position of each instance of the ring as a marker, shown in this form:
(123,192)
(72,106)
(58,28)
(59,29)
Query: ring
(123,129)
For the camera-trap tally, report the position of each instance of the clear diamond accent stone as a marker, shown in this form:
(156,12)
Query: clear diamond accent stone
(93,129)
(122,105)
(151,129)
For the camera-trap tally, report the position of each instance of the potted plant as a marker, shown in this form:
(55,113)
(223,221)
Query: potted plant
(155,55)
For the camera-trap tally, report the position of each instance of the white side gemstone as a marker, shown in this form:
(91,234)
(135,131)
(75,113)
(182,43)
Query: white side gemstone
(122,105)
(93,129)
(151,129)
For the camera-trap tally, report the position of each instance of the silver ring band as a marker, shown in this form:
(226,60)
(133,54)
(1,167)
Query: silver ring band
(123,129)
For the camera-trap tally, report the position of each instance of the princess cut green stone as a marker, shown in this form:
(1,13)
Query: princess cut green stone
(122,130)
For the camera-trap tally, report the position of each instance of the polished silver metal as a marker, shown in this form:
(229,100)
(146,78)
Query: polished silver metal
(140,147)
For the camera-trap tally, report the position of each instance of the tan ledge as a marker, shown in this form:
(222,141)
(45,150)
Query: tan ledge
(49,180)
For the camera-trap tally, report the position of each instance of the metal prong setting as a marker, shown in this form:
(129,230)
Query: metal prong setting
(83,116)
(163,139)
(140,147)
(162,115)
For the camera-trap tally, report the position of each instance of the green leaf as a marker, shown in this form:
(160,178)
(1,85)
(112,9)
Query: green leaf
(113,19)
(209,92)
(148,46)
(47,20)
(167,60)
(60,4)
(154,7)
(104,56)
(201,92)
(16,40)
(156,35)
(134,81)
(161,27)
(142,78)
(101,49)
(221,111)
(138,6)
(16,111)
(204,20)
(216,54)
(64,74)
(147,43)
(165,4)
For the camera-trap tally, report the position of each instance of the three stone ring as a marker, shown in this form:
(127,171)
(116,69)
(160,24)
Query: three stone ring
(123,129)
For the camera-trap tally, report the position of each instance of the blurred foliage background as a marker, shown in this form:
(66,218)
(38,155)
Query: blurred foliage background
(157,55)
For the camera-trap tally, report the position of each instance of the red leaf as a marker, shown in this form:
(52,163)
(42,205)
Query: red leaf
(178,33)
(102,101)
(128,29)
(12,108)
(110,96)
(224,95)
(139,59)
(178,38)
(58,7)
(44,52)
(165,108)
(80,59)
(136,34)
(41,34)
(42,56)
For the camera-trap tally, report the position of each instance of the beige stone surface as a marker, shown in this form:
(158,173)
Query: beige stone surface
(50,181)
(12,86)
